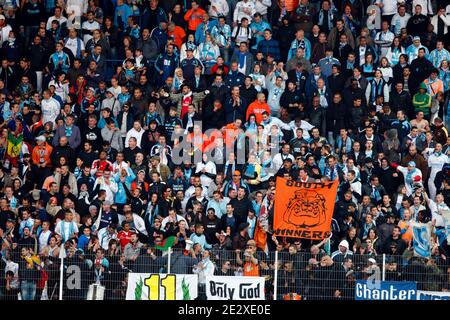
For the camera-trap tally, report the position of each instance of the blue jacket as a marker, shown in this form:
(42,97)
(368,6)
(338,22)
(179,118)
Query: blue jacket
(167,64)
(311,84)
(121,195)
(102,122)
(234,79)
(160,36)
(270,47)
(125,12)
(145,18)
(200,32)
(233,113)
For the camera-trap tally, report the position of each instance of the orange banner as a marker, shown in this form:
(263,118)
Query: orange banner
(304,210)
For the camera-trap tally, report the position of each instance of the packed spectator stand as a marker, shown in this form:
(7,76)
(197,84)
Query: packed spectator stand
(135,130)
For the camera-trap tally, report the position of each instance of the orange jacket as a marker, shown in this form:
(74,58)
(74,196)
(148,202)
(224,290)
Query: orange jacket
(257,108)
(194,18)
(178,35)
(46,151)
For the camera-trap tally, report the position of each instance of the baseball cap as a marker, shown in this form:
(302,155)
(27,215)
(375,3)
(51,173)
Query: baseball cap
(411,164)
(2,17)
(372,260)
(40,138)
(416,38)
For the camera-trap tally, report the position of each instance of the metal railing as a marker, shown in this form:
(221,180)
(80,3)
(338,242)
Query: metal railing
(287,275)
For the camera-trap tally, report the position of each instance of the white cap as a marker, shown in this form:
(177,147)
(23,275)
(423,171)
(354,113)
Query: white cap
(2,17)
(372,260)
(344,243)
(40,138)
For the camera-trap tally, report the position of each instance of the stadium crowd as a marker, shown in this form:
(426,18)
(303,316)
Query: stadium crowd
(97,96)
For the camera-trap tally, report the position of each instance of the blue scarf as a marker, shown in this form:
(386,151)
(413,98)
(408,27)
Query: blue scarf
(71,230)
(241,59)
(330,19)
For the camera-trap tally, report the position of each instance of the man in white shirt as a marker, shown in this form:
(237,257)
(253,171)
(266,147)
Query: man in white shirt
(136,132)
(218,7)
(67,228)
(304,125)
(427,8)
(384,39)
(4,29)
(400,19)
(173,217)
(244,9)
(107,183)
(50,108)
(261,7)
(58,17)
(204,269)
(268,121)
(107,234)
(88,26)
(388,8)
(280,157)
(44,236)
(74,43)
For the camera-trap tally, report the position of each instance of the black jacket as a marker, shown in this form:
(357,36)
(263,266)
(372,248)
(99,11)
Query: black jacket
(400,101)
(213,119)
(317,117)
(336,83)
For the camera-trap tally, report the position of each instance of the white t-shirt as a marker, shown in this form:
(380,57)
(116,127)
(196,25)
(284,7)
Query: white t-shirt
(61,20)
(90,26)
(43,239)
(72,44)
(389,6)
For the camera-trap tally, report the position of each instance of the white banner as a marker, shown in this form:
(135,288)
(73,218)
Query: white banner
(234,288)
(162,286)
(432,295)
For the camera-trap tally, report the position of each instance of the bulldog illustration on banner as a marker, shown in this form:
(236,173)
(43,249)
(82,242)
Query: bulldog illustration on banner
(304,210)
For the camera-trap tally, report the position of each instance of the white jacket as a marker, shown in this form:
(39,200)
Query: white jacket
(50,110)
(110,189)
(138,222)
(134,133)
(434,22)
(221,6)
(240,11)
(4,33)
(426,6)
(262,5)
